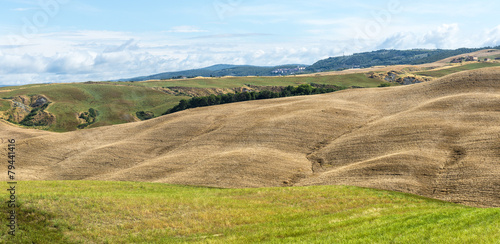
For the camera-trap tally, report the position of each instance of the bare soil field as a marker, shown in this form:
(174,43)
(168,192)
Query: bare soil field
(439,139)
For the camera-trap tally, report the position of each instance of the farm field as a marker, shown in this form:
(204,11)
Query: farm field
(135,212)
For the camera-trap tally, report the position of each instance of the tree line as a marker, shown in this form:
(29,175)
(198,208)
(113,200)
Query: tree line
(304,89)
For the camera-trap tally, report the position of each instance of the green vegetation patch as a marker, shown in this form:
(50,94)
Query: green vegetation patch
(90,117)
(128,212)
(145,115)
(4,105)
(456,69)
(29,119)
(385,84)
(116,103)
(34,226)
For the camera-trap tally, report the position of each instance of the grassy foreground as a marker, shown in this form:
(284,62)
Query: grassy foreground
(126,212)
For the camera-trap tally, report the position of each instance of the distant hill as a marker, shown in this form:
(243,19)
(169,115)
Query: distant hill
(386,57)
(226,70)
(218,67)
(357,60)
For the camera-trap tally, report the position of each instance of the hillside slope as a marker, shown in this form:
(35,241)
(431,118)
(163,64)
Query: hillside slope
(387,57)
(225,70)
(438,139)
(119,102)
(115,103)
(357,60)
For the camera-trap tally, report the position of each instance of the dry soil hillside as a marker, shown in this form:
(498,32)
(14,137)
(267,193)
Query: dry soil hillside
(439,139)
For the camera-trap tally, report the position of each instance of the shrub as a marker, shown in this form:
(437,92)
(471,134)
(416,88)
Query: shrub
(145,115)
(90,117)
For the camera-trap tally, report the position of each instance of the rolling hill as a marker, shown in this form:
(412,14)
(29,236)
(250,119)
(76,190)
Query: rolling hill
(357,60)
(121,102)
(118,102)
(387,57)
(224,70)
(115,103)
(438,139)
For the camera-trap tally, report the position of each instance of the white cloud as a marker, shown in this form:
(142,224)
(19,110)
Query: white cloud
(21,63)
(106,56)
(401,40)
(70,63)
(75,56)
(492,37)
(445,36)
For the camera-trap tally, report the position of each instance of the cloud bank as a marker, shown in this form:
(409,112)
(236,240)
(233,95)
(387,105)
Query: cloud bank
(83,56)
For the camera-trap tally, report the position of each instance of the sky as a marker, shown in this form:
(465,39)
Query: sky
(51,41)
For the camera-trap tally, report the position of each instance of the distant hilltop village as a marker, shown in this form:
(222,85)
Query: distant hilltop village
(289,71)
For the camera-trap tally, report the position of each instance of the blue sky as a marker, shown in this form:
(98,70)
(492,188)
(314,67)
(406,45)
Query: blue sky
(79,40)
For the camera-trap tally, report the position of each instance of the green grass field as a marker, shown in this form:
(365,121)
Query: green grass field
(4,105)
(456,69)
(126,212)
(116,104)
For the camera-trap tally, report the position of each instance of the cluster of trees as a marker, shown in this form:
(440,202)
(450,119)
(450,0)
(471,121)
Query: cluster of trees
(145,115)
(304,89)
(89,117)
(29,120)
